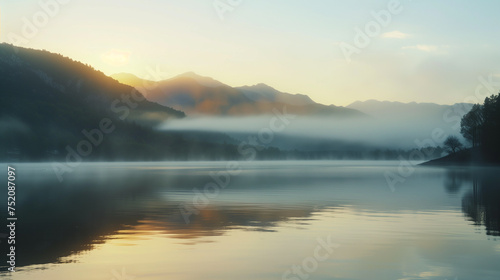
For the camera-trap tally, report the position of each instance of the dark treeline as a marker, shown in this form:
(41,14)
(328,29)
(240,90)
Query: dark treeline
(481,127)
(413,155)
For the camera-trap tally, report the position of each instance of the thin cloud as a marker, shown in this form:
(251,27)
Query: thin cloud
(395,35)
(424,48)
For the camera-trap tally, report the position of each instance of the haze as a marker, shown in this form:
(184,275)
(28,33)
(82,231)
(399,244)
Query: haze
(291,45)
(387,132)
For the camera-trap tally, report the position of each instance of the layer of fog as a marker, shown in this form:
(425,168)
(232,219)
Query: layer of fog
(394,133)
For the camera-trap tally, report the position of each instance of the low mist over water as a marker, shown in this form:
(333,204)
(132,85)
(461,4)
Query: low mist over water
(399,132)
(155,220)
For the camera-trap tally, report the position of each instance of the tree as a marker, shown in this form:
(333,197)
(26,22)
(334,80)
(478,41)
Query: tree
(481,127)
(452,144)
(472,124)
(490,135)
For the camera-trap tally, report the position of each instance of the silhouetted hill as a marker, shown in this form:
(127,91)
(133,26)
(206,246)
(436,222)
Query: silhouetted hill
(461,158)
(196,94)
(47,101)
(467,157)
(40,76)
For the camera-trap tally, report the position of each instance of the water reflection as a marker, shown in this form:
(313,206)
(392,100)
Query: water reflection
(481,203)
(455,179)
(57,220)
(119,209)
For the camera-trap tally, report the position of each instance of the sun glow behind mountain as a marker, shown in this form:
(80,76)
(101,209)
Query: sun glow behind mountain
(294,45)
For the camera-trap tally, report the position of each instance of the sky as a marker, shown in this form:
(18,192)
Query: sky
(335,51)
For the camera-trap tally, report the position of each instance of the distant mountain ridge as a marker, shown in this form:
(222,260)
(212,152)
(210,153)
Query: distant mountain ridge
(394,109)
(202,80)
(263,91)
(195,94)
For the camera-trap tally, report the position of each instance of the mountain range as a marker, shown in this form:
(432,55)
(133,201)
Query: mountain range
(48,102)
(52,107)
(393,109)
(199,95)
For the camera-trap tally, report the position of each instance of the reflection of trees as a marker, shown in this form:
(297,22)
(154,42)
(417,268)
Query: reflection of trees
(482,203)
(55,221)
(60,220)
(455,179)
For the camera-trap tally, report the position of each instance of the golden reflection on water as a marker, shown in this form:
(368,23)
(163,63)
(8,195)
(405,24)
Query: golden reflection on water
(408,243)
(439,225)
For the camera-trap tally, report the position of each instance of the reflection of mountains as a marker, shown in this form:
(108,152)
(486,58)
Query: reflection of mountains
(60,220)
(100,201)
(481,204)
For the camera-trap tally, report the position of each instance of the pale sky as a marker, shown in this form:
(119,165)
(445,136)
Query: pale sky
(428,51)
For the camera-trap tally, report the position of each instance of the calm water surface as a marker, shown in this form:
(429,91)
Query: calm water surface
(266,220)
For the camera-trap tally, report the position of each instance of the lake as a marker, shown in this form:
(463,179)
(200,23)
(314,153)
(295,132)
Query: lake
(254,220)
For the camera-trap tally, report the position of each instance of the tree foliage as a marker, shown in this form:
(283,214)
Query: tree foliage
(481,126)
(472,123)
(491,128)
(452,144)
